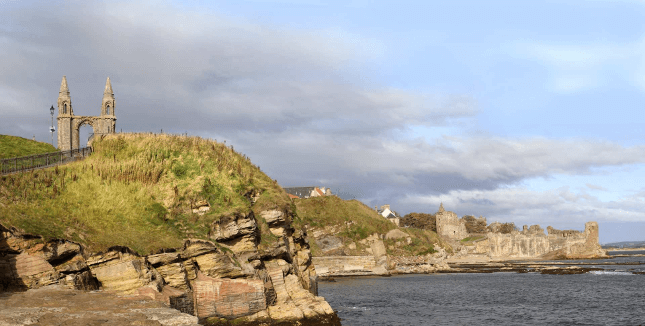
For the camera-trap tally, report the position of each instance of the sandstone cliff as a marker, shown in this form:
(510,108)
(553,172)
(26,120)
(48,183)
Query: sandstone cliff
(202,278)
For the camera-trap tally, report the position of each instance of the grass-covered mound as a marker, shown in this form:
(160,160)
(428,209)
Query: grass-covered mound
(138,190)
(357,222)
(13,146)
(361,221)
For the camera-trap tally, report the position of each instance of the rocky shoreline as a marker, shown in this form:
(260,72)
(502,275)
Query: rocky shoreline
(466,266)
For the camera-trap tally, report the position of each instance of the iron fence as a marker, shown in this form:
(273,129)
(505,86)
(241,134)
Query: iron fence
(26,163)
(92,135)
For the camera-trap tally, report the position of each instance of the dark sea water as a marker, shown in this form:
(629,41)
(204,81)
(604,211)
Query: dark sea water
(613,296)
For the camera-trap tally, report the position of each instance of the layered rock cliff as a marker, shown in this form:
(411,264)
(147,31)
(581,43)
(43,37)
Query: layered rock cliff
(202,278)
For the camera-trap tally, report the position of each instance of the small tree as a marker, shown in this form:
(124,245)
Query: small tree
(474,225)
(420,221)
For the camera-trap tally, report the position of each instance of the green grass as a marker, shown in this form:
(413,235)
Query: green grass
(138,190)
(12,146)
(423,242)
(471,239)
(360,220)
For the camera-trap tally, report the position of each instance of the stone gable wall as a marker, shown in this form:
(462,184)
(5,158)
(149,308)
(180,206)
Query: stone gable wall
(449,225)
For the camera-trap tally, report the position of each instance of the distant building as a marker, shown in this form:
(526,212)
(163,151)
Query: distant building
(306,192)
(449,225)
(389,214)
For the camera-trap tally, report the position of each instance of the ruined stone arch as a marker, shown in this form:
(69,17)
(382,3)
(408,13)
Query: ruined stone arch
(77,123)
(69,124)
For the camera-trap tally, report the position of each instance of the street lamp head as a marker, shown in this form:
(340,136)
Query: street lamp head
(52,110)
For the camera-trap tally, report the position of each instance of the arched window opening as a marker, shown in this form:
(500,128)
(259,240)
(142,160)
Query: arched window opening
(107,111)
(65,108)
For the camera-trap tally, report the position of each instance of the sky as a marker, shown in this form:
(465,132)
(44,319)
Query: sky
(518,111)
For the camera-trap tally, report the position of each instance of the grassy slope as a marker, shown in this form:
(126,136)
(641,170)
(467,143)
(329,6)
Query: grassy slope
(137,190)
(12,146)
(360,222)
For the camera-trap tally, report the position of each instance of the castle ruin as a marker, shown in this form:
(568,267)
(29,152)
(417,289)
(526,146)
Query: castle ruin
(69,124)
(531,242)
(449,225)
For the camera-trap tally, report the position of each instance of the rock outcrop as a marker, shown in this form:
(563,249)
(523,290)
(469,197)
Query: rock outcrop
(224,280)
(56,305)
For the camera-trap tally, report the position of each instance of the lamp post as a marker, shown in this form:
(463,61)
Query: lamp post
(52,129)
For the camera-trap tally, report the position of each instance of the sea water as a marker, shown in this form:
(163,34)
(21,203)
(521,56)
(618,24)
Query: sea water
(613,296)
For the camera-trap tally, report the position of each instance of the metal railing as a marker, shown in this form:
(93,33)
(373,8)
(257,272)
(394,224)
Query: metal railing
(26,163)
(89,139)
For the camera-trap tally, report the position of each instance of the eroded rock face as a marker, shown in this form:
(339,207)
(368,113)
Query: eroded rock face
(238,232)
(396,234)
(227,298)
(234,226)
(226,280)
(26,262)
(277,221)
(57,305)
(122,272)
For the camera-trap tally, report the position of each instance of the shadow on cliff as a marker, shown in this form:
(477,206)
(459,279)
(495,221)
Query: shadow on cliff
(9,279)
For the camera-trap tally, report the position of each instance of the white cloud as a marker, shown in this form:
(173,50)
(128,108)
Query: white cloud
(595,187)
(576,67)
(575,57)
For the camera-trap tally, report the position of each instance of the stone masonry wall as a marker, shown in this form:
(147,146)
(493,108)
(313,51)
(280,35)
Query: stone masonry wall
(531,243)
(335,265)
(449,225)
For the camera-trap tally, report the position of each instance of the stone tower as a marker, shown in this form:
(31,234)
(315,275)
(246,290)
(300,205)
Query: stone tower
(64,118)
(69,124)
(449,225)
(107,107)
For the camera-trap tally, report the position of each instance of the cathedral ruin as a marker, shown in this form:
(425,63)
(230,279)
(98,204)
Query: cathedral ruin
(69,124)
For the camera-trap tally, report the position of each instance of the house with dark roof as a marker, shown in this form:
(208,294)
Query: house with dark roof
(389,214)
(306,192)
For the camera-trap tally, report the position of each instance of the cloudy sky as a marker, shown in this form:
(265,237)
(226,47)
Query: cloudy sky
(526,112)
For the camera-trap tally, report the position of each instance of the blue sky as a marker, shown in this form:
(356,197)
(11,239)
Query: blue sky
(528,112)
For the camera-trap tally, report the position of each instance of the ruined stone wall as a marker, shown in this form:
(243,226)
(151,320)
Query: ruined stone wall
(534,243)
(449,225)
(69,124)
(340,265)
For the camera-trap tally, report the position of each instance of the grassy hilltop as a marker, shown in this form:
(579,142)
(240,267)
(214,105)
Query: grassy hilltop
(13,146)
(138,190)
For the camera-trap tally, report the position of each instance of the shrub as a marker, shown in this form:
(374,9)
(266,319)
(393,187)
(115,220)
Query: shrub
(474,225)
(420,221)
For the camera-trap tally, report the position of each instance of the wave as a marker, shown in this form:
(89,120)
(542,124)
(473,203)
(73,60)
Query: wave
(610,273)
(356,308)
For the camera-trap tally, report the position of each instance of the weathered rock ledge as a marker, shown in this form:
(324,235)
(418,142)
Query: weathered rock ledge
(227,280)
(56,305)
